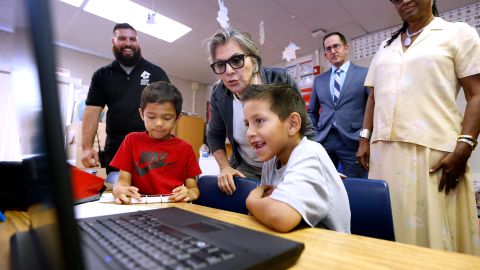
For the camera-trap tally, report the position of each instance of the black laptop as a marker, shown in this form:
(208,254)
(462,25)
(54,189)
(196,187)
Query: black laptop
(172,238)
(169,238)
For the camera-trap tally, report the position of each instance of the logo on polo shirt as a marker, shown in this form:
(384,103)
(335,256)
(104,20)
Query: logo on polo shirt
(145,78)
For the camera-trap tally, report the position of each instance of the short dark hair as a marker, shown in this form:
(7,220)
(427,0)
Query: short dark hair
(340,35)
(123,26)
(283,98)
(161,92)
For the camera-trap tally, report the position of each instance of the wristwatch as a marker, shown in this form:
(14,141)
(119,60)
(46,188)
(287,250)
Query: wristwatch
(365,133)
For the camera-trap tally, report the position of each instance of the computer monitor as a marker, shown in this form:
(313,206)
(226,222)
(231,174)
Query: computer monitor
(53,241)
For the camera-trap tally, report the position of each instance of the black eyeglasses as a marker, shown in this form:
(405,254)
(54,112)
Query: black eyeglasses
(333,47)
(396,2)
(237,61)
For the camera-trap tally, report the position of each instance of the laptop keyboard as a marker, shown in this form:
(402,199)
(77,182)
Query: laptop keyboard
(142,242)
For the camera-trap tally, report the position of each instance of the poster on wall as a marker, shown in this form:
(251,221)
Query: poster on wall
(305,68)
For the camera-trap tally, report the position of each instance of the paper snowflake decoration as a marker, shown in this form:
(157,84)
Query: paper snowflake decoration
(289,52)
(261,33)
(222,17)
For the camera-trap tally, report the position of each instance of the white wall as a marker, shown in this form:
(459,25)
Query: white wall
(197,100)
(6,52)
(9,141)
(81,65)
(9,137)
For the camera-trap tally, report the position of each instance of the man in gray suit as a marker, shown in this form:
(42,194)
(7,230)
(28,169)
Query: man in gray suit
(337,105)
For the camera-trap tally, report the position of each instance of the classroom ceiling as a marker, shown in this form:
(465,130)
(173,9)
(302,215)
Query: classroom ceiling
(284,21)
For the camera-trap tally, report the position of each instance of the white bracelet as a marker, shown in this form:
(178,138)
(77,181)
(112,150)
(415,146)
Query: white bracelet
(365,133)
(467,141)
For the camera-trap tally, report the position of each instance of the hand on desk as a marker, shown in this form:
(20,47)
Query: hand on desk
(261,192)
(123,194)
(130,195)
(181,194)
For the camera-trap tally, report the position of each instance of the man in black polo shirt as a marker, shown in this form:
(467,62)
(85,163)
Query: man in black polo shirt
(118,86)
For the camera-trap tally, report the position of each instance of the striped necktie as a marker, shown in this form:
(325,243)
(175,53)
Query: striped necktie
(336,86)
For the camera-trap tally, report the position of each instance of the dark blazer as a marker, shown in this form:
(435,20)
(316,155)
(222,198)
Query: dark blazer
(348,113)
(220,124)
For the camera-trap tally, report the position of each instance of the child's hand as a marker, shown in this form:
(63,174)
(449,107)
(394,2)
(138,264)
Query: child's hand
(260,192)
(268,190)
(182,194)
(257,194)
(122,194)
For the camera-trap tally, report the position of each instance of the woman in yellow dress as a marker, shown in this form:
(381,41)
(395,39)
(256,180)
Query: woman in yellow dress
(420,143)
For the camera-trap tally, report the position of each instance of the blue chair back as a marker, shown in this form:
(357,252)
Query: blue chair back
(112,178)
(212,196)
(370,208)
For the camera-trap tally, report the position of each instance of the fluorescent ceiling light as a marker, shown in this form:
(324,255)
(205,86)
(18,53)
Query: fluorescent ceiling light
(121,11)
(75,3)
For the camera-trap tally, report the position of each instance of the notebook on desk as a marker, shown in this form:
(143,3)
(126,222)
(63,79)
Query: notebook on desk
(141,240)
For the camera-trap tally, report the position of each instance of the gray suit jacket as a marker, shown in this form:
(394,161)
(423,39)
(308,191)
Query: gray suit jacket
(347,114)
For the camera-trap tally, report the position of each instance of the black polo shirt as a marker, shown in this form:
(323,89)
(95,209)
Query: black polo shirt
(121,92)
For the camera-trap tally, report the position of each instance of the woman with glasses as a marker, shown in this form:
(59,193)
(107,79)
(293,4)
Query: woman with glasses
(237,62)
(420,142)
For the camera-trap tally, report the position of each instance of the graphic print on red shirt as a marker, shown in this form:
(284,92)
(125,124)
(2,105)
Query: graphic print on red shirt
(157,167)
(149,161)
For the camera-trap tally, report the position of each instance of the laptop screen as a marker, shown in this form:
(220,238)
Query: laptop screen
(53,241)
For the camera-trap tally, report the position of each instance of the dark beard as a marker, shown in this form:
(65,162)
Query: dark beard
(127,61)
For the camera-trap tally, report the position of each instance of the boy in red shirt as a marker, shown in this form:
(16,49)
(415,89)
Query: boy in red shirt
(155,162)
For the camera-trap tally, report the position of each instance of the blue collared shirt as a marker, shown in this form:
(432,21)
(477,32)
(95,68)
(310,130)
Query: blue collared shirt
(343,75)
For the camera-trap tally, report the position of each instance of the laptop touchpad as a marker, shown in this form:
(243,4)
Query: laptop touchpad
(203,227)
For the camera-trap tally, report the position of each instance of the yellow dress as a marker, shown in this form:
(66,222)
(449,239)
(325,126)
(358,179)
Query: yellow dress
(416,122)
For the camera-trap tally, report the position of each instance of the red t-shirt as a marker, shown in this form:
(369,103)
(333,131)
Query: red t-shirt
(157,167)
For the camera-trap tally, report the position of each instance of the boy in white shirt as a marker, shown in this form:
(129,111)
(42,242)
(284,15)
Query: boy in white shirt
(299,181)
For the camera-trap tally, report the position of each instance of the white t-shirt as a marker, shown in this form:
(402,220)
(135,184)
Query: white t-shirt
(310,184)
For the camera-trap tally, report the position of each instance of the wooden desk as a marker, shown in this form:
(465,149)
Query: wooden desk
(323,249)
(17,221)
